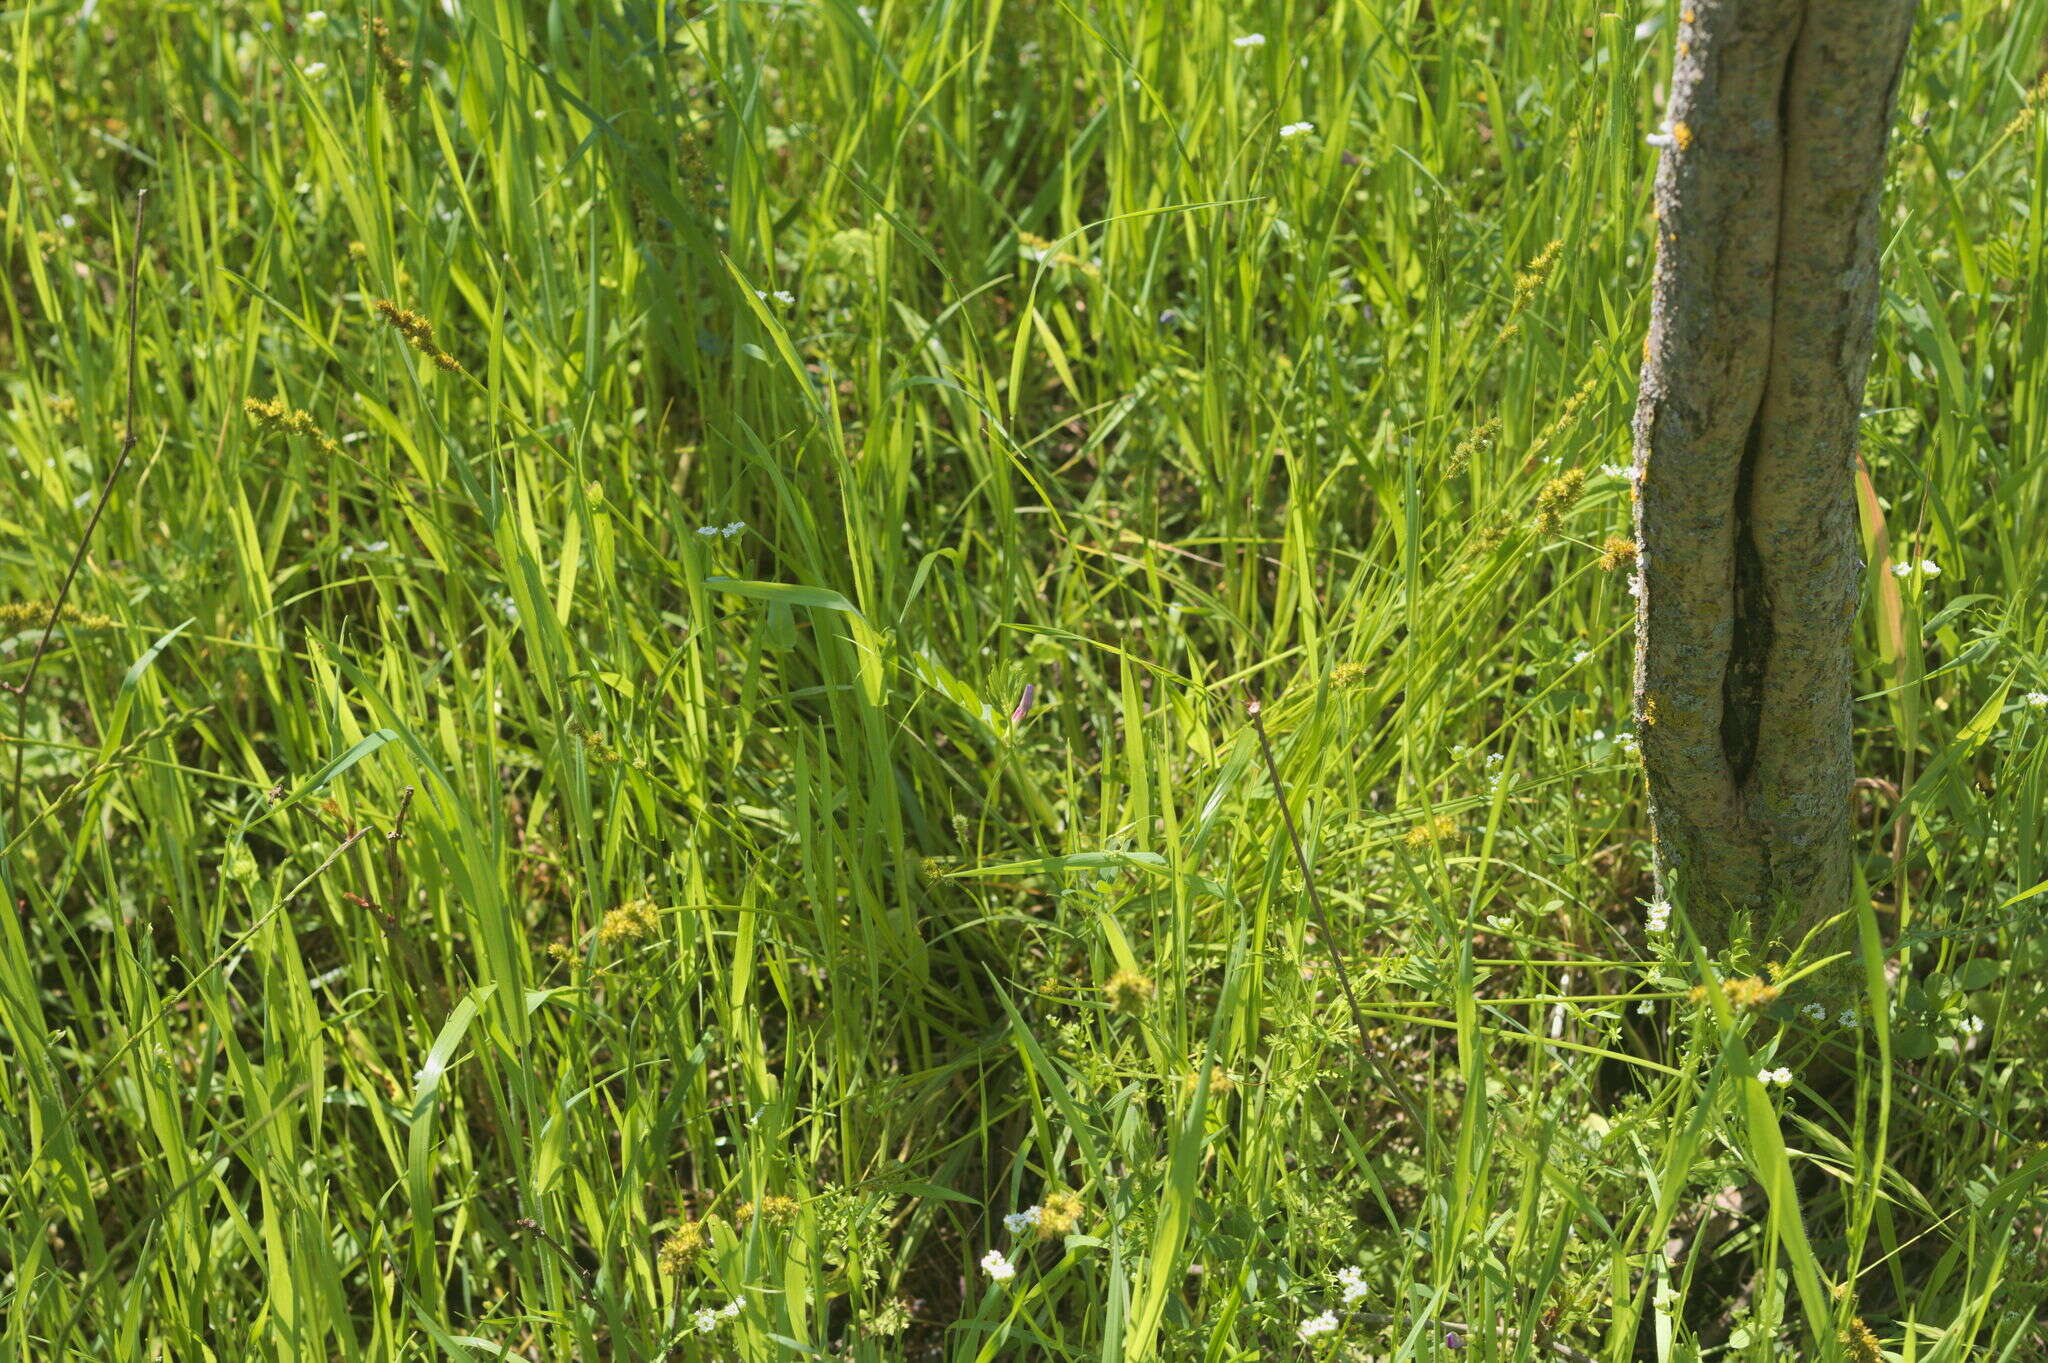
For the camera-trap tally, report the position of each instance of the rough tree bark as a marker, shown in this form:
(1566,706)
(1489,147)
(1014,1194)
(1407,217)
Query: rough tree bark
(1764,305)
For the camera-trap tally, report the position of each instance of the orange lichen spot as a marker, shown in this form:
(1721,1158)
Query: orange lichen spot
(1682,135)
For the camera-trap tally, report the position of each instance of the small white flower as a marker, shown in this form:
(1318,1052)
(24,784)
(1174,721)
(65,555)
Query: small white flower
(1902,570)
(1249,40)
(782,296)
(1581,655)
(709,532)
(66,221)
(1625,471)
(733,1308)
(1297,129)
(1780,1076)
(866,13)
(1929,568)
(1817,1011)
(997,1266)
(2036,700)
(1017,1222)
(1970,1026)
(1646,1007)
(1626,741)
(1847,1018)
(1324,1324)
(706,1320)
(731,528)
(1352,1280)
(314,70)
(314,20)
(1657,917)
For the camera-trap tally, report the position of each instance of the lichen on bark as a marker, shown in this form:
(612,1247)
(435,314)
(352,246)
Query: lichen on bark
(1762,316)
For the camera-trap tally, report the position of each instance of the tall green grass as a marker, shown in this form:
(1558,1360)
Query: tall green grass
(453,890)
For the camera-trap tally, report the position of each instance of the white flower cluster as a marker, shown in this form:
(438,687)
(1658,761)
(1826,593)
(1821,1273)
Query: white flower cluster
(707,1320)
(1926,567)
(1297,129)
(1847,1018)
(726,531)
(1249,40)
(782,296)
(2036,700)
(1627,471)
(1657,917)
(1351,1281)
(1624,739)
(1780,1076)
(998,1266)
(1970,1026)
(1817,1011)
(1016,1223)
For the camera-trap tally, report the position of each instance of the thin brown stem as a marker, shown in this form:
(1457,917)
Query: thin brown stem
(99,508)
(1315,901)
(1563,1351)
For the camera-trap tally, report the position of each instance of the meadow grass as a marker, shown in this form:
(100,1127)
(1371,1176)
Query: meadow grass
(653,738)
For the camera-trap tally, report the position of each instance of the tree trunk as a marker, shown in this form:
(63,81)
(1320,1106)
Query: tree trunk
(1745,434)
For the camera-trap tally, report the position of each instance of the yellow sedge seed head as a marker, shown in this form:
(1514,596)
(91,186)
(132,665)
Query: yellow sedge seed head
(1129,992)
(1060,1214)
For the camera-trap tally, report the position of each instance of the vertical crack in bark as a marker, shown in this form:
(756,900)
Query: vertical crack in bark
(1742,687)
(1750,653)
